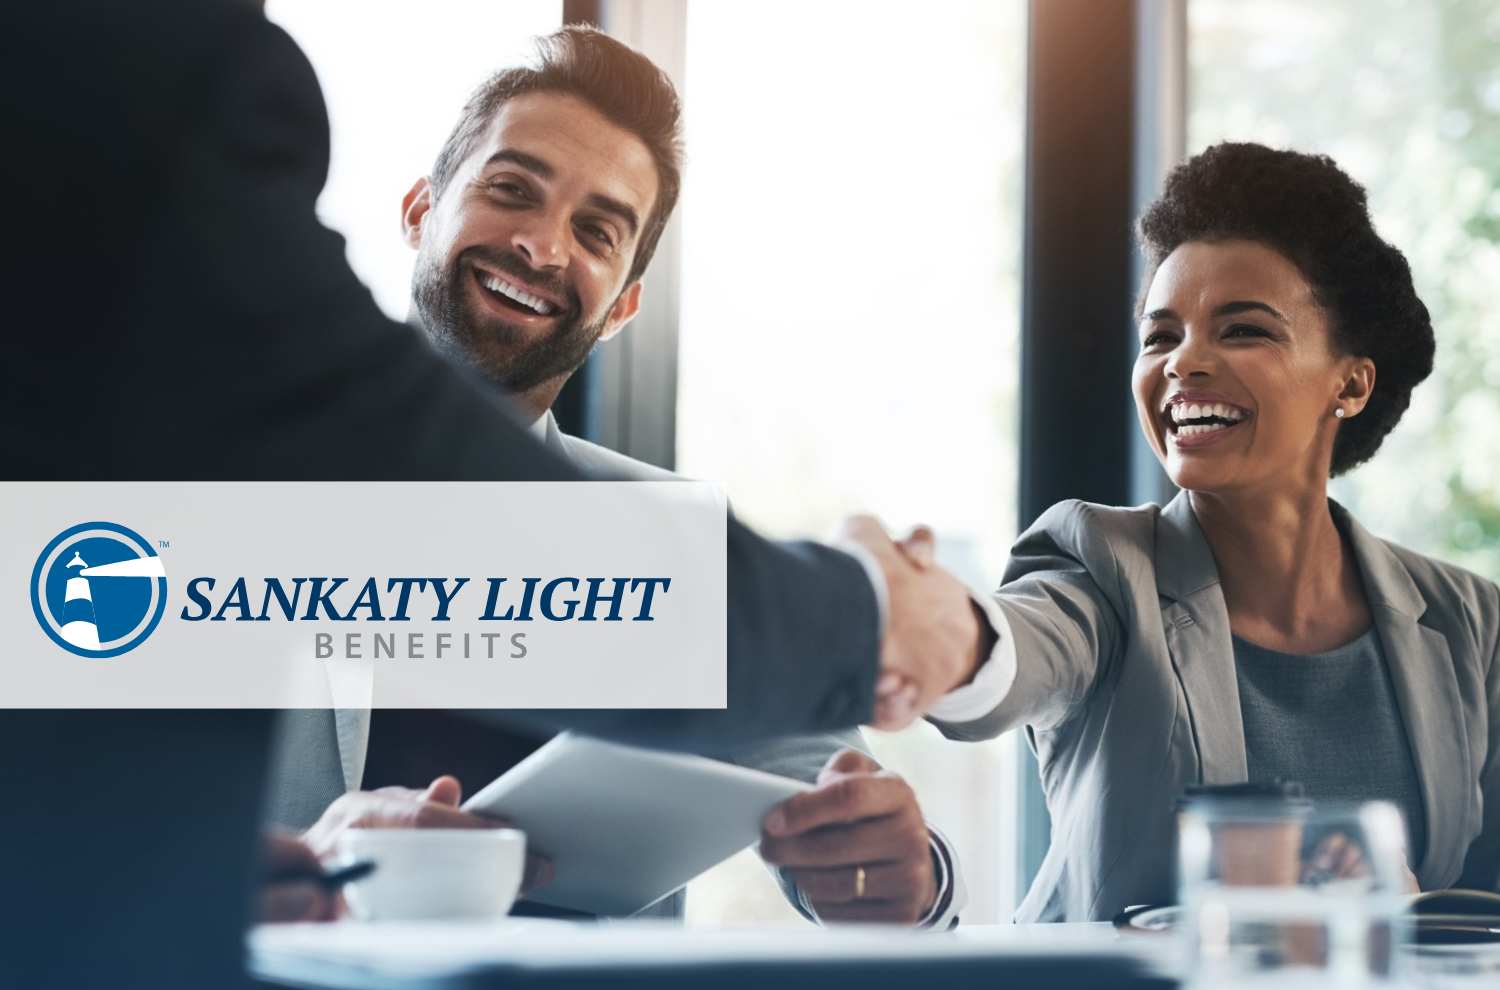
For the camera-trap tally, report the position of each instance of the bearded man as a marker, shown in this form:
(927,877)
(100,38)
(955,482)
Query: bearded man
(533,234)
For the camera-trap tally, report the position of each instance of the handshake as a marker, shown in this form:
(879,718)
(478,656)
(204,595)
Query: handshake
(936,637)
(859,825)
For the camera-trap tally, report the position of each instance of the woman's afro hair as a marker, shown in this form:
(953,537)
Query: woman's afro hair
(1306,208)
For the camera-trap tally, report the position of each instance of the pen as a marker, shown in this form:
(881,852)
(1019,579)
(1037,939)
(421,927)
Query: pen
(334,879)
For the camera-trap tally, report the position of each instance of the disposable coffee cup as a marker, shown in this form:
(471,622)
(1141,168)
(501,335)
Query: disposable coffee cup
(1254,833)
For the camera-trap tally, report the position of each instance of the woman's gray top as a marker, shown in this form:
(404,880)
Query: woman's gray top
(1330,721)
(1125,683)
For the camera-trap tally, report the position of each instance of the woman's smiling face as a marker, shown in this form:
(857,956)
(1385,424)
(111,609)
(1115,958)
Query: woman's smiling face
(1237,380)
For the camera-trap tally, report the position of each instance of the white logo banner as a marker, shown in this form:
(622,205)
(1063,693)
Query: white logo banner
(389,595)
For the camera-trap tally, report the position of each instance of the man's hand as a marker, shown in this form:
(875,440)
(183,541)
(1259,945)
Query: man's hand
(860,828)
(933,636)
(291,891)
(403,807)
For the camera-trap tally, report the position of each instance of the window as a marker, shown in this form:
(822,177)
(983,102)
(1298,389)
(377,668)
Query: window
(850,310)
(1406,98)
(394,75)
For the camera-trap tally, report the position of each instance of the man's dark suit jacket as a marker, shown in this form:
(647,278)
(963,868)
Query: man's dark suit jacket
(173,310)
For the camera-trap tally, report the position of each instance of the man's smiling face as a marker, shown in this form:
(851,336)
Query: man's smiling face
(523,259)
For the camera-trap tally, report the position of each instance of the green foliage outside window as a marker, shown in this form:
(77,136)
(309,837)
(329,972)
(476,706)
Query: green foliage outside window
(1405,95)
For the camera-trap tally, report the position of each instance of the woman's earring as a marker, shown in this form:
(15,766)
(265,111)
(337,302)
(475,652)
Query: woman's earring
(1339,412)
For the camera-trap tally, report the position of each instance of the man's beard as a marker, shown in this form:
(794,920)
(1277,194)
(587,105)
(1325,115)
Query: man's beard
(491,345)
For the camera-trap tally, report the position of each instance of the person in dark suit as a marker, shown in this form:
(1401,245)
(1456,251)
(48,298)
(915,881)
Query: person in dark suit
(175,311)
(185,316)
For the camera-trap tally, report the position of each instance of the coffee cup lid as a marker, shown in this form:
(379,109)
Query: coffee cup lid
(1274,798)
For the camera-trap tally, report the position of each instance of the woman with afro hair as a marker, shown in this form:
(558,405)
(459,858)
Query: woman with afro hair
(1251,629)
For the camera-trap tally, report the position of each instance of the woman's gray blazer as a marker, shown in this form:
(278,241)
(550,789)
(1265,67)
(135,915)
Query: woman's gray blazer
(1126,684)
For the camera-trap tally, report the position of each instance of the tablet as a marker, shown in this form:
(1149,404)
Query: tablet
(625,827)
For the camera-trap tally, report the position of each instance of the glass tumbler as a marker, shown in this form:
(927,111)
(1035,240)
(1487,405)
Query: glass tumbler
(1279,891)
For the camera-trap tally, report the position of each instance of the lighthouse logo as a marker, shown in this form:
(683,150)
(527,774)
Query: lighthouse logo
(98,590)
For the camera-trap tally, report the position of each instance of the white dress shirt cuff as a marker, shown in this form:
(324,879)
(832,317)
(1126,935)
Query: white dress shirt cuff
(952,892)
(992,682)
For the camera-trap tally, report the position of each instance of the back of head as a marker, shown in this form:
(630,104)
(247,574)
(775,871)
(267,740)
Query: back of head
(1307,209)
(624,86)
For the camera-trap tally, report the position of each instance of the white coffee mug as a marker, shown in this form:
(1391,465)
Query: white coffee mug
(434,873)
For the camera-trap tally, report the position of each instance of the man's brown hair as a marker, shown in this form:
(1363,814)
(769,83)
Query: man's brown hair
(623,85)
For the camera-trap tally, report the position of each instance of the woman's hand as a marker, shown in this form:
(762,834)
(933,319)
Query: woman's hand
(1339,858)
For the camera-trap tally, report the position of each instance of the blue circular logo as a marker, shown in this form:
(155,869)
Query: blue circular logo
(98,590)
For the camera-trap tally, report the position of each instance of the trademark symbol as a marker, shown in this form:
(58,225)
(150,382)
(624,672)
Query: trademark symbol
(163,543)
